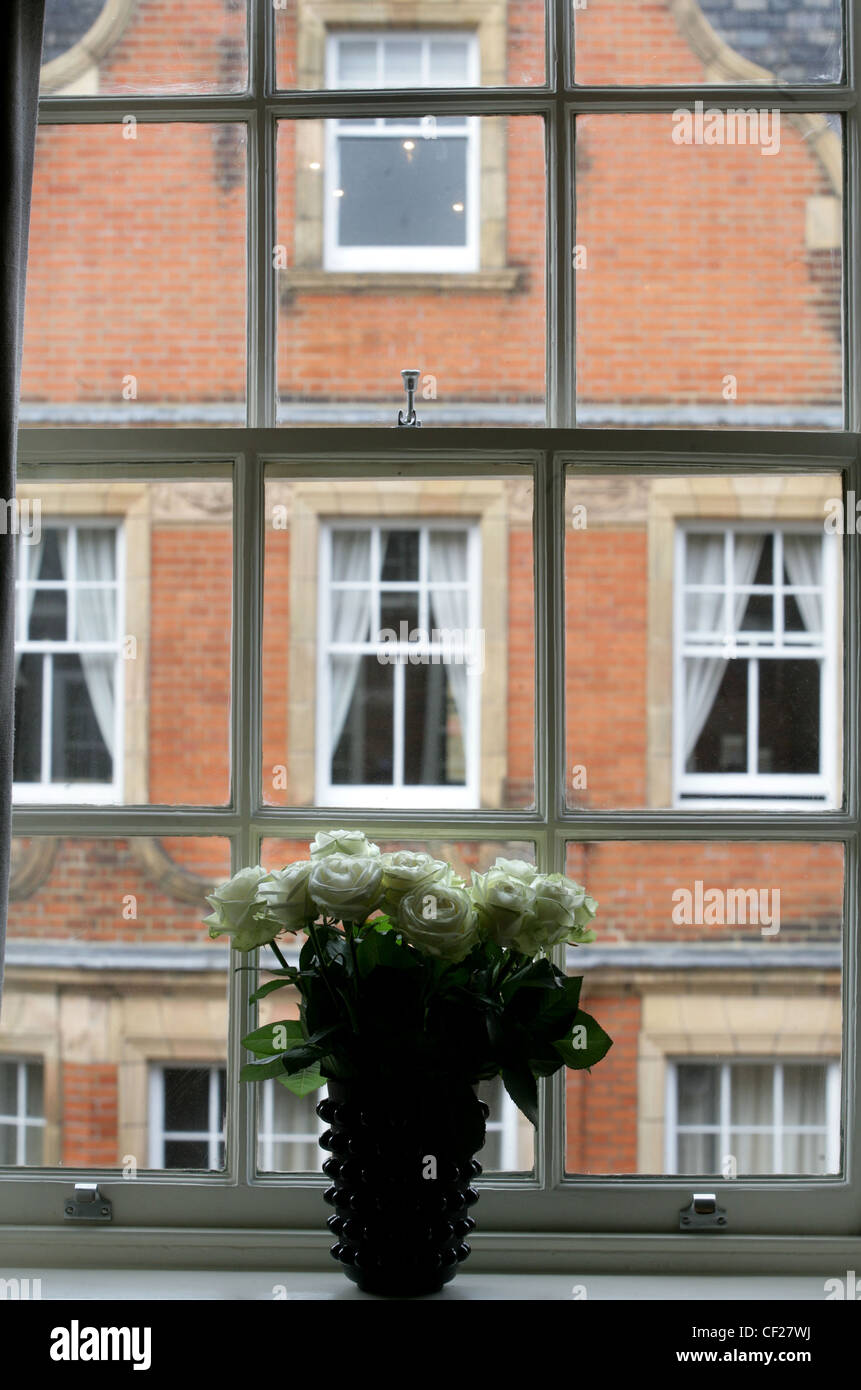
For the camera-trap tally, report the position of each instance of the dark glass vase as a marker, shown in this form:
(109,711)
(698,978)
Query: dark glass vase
(401,1163)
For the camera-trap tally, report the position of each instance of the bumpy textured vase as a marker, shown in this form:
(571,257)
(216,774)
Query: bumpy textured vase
(401,1166)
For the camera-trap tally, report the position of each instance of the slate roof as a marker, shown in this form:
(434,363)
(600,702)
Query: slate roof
(797,40)
(66,21)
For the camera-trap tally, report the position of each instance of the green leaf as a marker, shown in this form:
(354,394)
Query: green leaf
(268,988)
(384,949)
(267,1042)
(587,1044)
(303,1082)
(523,1089)
(261,1071)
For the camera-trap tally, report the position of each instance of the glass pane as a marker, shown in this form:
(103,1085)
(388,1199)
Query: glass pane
(101,47)
(385,240)
(789,716)
(433,733)
(805,1153)
(700,335)
(707,956)
(139,229)
(287,1126)
(86,714)
(83,726)
(698,1094)
(186,1098)
(8,1089)
(186,1153)
(494,44)
(714,41)
(107,958)
(659,697)
(400,555)
(364,753)
(422,691)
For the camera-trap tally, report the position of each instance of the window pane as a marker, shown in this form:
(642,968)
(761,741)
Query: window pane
(135,654)
(101,47)
(714,41)
(680,689)
(714,965)
(398,660)
(725,297)
(108,959)
(505,44)
(287,1126)
(186,1098)
(135,310)
(418,245)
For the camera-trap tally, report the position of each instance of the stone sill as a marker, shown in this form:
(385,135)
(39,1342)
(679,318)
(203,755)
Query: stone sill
(299,281)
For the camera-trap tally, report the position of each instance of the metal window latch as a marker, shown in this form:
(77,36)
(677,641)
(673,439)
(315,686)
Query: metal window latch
(703,1214)
(88,1204)
(410,377)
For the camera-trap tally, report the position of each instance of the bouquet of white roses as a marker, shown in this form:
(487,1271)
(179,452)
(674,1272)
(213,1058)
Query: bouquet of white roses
(407,967)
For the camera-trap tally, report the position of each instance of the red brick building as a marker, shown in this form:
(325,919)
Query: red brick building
(703,616)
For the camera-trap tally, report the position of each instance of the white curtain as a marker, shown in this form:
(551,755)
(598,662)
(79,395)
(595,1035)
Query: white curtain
(450,607)
(97,622)
(350,619)
(704,564)
(802,556)
(751,1104)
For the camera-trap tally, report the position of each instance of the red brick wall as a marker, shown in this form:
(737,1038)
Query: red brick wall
(89,1103)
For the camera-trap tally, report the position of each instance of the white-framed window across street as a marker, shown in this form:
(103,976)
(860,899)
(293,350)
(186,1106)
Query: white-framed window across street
(400,663)
(756,633)
(402,192)
(68,663)
(746,1117)
(22,1111)
(186,1115)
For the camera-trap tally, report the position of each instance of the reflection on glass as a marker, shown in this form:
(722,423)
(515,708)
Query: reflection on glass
(114,1029)
(717,972)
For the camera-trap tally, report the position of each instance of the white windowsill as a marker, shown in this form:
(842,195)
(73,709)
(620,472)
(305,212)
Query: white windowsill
(248,1286)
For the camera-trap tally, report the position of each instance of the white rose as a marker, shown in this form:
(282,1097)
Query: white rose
(343,842)
(404,869)
(345,886)
(234,905)
(561,911)
(439,920)
(286,897)
(517,868)
(501,900)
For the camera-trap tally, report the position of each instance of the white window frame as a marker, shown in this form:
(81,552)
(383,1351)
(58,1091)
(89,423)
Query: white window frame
(159,1136)
(20,1121)
(398,795)
(777,1130)
(401,258)
(579,1221)
(71,793)
(268,1135)
(775,791)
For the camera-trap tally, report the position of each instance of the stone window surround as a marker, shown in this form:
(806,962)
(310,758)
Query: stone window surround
(494,504)
(136,506)
(76,70)
(725,1018)
(487,18)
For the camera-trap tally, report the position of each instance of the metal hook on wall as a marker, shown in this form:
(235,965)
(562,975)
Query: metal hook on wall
(410,378)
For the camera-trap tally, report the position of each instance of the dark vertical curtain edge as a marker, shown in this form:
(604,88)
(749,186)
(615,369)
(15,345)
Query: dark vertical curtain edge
(21,27)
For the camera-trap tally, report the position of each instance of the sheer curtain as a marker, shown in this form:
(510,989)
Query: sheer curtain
(350,620)
(21,24)
(704,564)
(802,556)
(96,621)
(450,607)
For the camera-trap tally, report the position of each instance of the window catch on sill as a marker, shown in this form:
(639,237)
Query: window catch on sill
(703,1214)
(88,1204)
